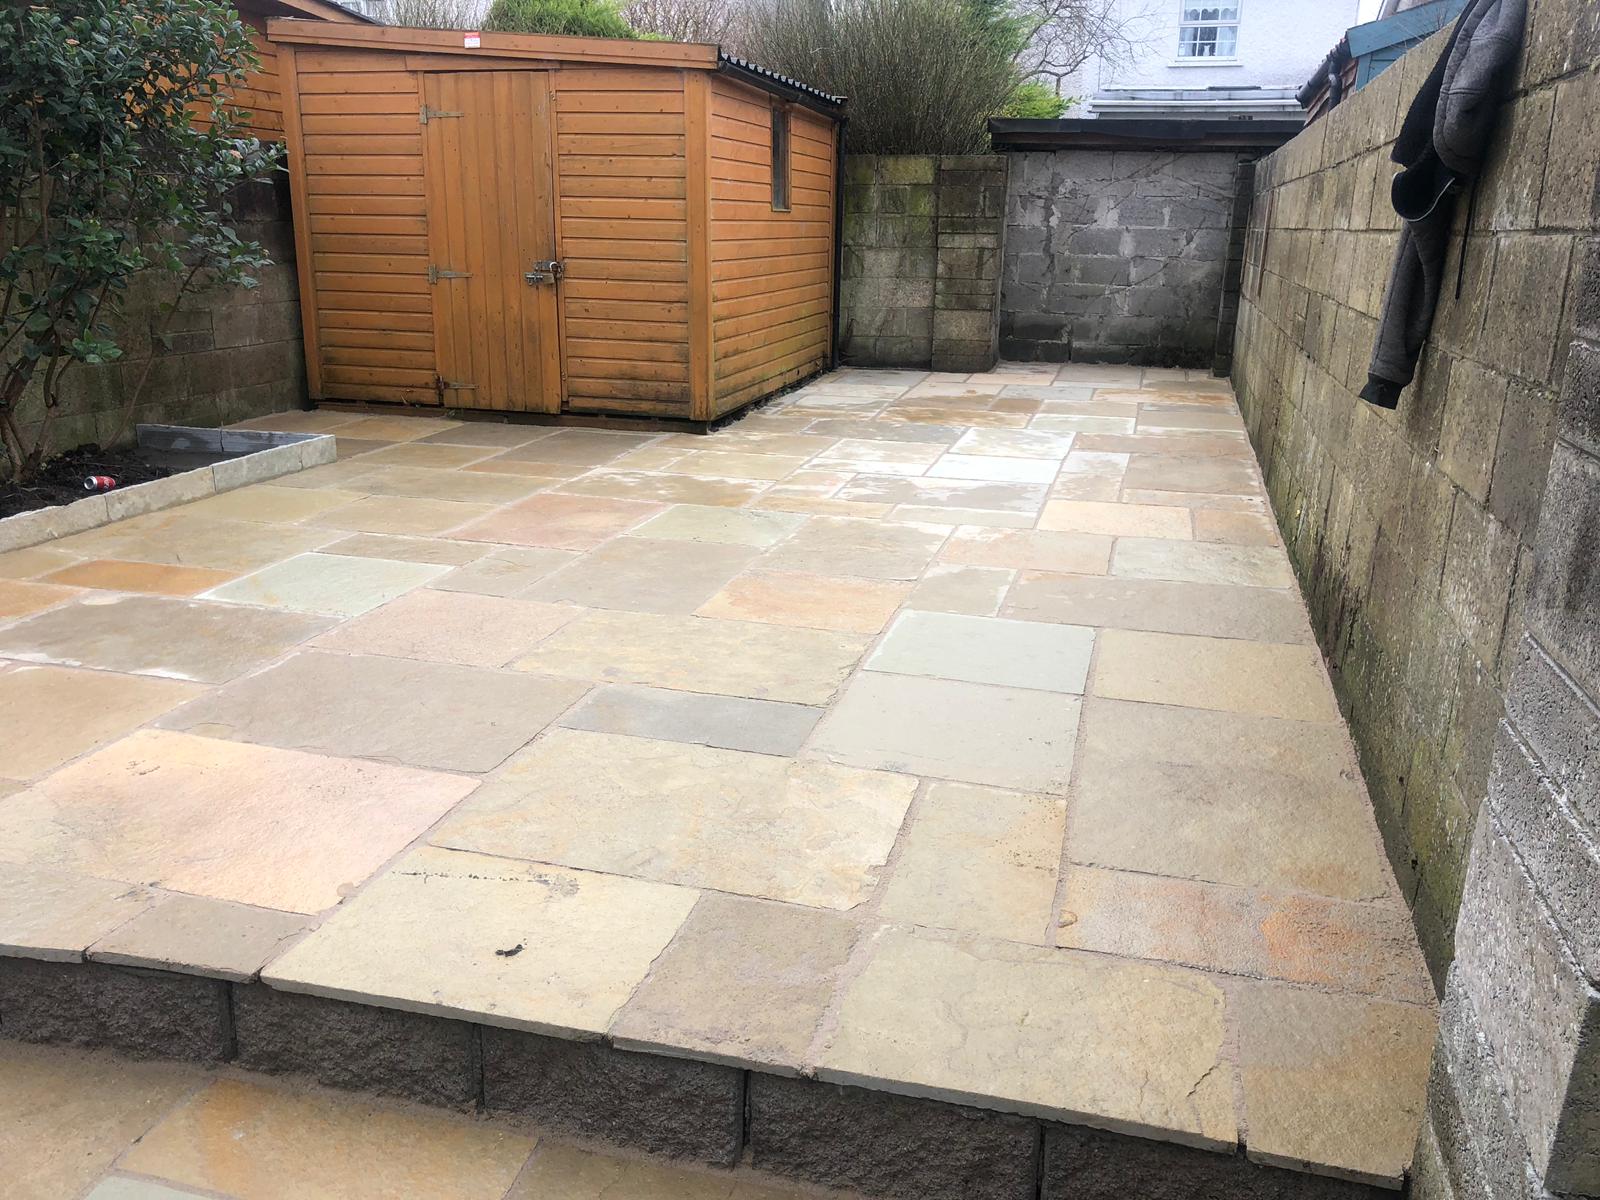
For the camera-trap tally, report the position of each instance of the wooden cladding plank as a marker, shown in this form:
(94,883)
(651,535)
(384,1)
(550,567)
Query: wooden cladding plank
(304,255)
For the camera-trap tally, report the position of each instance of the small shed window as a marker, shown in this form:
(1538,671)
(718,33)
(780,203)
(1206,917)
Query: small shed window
(780,159)
(1208,32)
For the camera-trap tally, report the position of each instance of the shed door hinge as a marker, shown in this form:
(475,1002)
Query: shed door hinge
(433,114)
(435,274)
(441,385)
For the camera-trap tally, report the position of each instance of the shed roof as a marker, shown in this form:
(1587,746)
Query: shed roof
(1081,133)
(551,48)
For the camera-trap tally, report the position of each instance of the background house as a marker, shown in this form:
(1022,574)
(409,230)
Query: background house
(1194,58)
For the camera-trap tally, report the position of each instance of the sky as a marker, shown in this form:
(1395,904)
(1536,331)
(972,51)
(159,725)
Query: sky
(1369,9)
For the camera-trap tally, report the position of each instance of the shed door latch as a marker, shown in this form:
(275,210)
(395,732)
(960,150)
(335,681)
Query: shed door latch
(433,114)
(435,274)
(547,271)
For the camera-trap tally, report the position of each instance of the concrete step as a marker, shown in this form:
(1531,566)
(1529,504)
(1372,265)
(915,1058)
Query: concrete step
(861,1139)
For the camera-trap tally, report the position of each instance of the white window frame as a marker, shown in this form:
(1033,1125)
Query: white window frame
(1208,60)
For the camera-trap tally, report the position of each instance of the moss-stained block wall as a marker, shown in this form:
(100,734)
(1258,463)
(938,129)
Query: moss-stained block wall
(1412,531)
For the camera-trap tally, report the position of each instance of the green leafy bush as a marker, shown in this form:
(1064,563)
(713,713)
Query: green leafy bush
(1035,100)
(119,149)
(575,18)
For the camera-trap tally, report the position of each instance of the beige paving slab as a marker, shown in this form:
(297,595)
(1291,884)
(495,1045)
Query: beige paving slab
(263,502)
(424,936)
(32,561)
(56,915)
(825,506)
(507,435)
(506,571)
(20,598)
(394,429)
(712,523)
(1239,528)
(1267,679)
(452,627)
(755,824)
(1029,549)
(699,654)
(728,722)
(332,585)
(993,468)
(642,574)
(1132,1047)
(159,635)
(1091,476)
(868,549)
(1014,443)
(978,859)
(199,936)
(806,485)
(953,516)
(1063,423)
(1160,606)
(1367,948)
(128,1187)
(1233,475)
(645,487)
(262,826)
(1199,501)
(1334,1084)
(343,475)
(580,447)
(158,578)
(1171,418)
(745,982)
(65,1115)
(748,437)
(255,1142)
(1020,654)
(1117,520)
(560,1172)
(815,601)
(430,454)
(942,493)
(559,522)
(951,587)
(396,710)
(458,486)
(319,421)
(49,714)
(1007,737)
(194,541)
(1234,448)
(882,456)
(860,429)
(399,514)
(1224,797)
(399,548)
(542,475)
(731,464)
(1201,562)
(937,413)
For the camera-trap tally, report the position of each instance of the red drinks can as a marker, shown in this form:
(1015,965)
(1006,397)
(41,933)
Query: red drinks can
(98,483)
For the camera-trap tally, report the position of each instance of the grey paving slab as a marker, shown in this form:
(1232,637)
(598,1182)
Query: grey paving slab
(1018,654)
(199,936)
(727,722)
(641,574)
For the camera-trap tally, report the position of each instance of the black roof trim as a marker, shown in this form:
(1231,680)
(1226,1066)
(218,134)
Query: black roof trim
(1129,133)
(780,85)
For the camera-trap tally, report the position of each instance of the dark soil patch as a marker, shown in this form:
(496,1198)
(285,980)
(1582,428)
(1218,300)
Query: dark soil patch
(61,481)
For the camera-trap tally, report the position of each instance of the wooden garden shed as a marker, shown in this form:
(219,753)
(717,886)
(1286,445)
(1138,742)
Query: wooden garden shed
(531,224)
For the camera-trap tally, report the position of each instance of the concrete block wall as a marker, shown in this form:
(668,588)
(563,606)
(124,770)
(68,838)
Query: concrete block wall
(1117,255)
(1451,553)
(921,264)
(1413,531)
(233,353)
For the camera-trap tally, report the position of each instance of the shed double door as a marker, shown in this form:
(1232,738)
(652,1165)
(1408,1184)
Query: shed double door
(491,219)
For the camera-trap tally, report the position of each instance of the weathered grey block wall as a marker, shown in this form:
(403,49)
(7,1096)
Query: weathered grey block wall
(1451,554)
(234,354)
(1116,255)
(920,277)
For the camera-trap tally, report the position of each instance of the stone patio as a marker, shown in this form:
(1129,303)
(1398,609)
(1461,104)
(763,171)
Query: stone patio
(958,738)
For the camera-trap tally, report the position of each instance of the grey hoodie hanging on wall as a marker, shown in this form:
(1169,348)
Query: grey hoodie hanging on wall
(1440,146)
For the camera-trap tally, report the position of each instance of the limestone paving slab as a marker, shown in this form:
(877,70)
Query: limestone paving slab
(157,635)
(32,561)
(56,915)
(645,487)
(713,523)
(1201,562)
(179,539)
(754,824)
(1050,1033)
(726,722)
(158,578)
(49,715)
(417,485)
(868,549)
(1118,520)
(559,522)
(979,859)
(274,828)
(1160,606)
(1029,550)
(815,601)
(975,733)
(400,548)
(398,515)
(1260,678)
(422,714)
(247,1140)
(486,433)
(579,447)
(1017,654)
(331,585)
(440,933)
(508,571)
(20,598)
(744,983)
(700,654)
(199,936)
(263,502)
(929,492)
(645,575)
(951,587)
(465,628)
